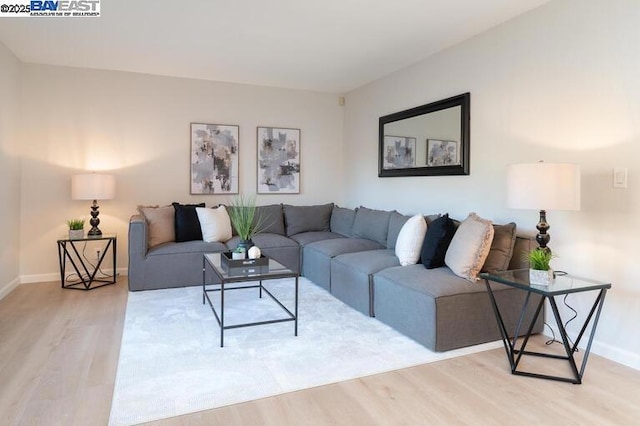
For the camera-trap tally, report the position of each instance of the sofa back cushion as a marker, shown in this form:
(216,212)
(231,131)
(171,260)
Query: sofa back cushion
(504,240)
(271,217)
(396,222)
(299,219)
(187,224)
(372,225)
(342,220)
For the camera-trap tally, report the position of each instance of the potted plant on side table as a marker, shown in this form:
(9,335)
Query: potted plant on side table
(246,220)
(76,229)
(540,272)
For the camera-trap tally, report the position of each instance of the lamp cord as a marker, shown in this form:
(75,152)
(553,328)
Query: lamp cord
(100,274)
(575,315)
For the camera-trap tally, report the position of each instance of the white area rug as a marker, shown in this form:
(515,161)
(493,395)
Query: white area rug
(171,362)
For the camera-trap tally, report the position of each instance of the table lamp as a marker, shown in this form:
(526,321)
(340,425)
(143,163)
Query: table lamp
(543,186)
(94,187)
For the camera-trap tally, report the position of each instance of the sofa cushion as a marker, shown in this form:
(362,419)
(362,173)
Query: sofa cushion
(307,218)
(372,225)
(305,238)
(265,240)
(436,241)
(214,224)
(470,247)
(342,220)
(186,222)
(396,221)
(161,224)
(504,240)
(410,240)
(272,219)
(334,247)
(196,246)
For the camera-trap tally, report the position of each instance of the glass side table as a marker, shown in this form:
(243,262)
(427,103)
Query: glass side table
(562,285)
(73,251)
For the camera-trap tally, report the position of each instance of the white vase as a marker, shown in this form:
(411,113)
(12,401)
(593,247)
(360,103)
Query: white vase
(237,255)
(76,234)
(537,277)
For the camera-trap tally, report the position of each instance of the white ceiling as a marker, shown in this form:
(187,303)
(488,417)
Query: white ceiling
(323,45)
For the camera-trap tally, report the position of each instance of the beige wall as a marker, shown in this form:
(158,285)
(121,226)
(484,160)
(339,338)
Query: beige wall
(137,127)
(560,84)
(9,171)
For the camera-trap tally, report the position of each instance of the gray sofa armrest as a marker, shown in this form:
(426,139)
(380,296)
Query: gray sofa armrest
(137,248)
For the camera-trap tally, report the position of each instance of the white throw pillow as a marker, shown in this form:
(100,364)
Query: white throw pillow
(470,247)
(215,224)
(410,239)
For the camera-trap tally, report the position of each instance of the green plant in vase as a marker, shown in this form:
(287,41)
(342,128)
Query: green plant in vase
(540,272)
(246,219)
(76,228)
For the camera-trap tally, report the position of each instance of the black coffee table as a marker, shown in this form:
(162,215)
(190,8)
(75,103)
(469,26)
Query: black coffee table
(276,270)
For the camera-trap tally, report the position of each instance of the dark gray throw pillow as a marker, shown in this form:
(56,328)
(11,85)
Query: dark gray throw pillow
(307,218)
(186,222)
(436,242)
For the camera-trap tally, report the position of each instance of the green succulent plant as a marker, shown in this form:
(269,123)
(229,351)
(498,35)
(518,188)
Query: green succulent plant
(539,259)
(75,224)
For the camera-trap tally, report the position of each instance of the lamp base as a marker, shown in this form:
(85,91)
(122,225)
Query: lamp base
(543,226)
(94,231)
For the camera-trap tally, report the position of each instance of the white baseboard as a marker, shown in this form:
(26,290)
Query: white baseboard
(613,353)
(8,288)
(55,276)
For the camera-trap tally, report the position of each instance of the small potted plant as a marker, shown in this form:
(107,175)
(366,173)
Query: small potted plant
(540,272)
(246,219)
(238,253)
(76,229)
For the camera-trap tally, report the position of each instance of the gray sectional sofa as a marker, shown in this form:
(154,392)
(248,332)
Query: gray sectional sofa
(350,253)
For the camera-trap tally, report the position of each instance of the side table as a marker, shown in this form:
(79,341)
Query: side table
(561,286)
(73,251)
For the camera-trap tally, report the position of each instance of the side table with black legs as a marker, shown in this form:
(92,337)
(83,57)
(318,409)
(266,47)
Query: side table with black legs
(561,286)
(88,273)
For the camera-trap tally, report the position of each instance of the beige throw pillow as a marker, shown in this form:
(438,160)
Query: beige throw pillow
(215,224)
(160,222)
(410,239)
(470,247)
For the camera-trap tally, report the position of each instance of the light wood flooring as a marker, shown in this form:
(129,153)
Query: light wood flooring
(59,353)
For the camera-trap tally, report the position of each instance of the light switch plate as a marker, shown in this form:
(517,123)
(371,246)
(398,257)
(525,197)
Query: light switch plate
(620,177)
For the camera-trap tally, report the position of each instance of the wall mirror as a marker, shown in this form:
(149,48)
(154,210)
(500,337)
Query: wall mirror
(429,140)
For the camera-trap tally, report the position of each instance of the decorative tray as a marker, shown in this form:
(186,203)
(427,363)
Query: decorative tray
(235,267)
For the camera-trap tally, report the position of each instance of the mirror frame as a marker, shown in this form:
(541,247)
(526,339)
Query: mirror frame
(464,101)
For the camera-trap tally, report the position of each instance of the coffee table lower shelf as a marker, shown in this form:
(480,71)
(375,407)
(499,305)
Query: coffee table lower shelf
(276,271)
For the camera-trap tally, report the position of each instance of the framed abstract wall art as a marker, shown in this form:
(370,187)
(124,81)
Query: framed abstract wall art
(214,158)
(278,160)
(399,152)
(442,153)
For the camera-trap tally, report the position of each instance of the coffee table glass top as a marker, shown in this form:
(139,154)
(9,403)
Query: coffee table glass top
(276,269)
(562,284)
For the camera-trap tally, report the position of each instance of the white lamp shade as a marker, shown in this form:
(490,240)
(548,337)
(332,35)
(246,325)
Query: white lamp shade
(543,186)
(93,187)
